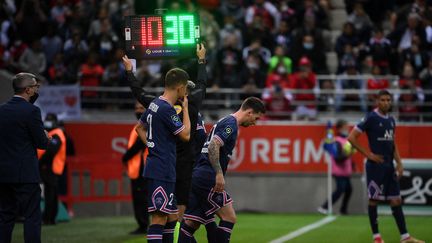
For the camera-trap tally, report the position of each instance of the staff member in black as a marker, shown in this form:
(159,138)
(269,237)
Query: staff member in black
(21,133)
(134,160)
(185,150)
(51,163)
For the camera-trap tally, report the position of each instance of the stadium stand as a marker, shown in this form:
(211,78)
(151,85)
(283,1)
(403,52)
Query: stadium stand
(83,37)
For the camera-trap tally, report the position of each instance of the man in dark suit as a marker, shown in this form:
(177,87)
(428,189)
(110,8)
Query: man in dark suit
(21,133)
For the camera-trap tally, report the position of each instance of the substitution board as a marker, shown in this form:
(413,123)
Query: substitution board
(161,36)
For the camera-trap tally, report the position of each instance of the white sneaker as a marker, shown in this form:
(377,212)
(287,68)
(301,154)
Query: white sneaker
(322,210)
(411,240)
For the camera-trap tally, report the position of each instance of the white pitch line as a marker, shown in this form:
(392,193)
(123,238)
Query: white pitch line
(304,229)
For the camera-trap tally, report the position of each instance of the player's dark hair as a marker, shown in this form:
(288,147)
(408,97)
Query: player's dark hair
(175,77)
(253,103)
(340,123)
(384,92)
(21,81)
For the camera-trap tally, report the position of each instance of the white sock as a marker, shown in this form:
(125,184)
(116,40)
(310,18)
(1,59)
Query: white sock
(405,236)
(377,236)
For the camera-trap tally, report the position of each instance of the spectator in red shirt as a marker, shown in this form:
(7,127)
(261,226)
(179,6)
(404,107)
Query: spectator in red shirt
(278,104)
(266,10)
(305,80)
(412,95)
(279,76)
(408,76)
(57,72)
(409,105)
(375,83)
(90,75)
(16,50)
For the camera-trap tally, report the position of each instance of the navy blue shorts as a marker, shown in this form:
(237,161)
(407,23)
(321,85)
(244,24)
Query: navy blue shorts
(204,201)
(382,182)
(161,196)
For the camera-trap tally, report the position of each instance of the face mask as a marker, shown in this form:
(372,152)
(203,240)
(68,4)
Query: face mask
(34,98)
(138,115)
(344,133)
(418,60)
(229,27)
(281,70)
(232,6)
(304,68)
(48,124)
(252,65)
(308,46)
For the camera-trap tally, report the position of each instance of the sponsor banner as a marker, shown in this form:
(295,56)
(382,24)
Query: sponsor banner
(63,100)
(416,183)
(263,148)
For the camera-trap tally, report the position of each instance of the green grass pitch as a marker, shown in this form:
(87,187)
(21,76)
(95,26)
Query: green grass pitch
(250,228)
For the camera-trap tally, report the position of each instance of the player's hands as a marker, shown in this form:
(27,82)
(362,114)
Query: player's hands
(185,102)
(200,51)
(127,63)
(220,183)
(375,158)
(399,170)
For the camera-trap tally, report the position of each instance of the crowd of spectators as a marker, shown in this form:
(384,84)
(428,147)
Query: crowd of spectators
(278,46)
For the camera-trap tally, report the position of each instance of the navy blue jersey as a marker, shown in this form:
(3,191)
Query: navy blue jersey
(380,131)
(162,124)
(226,131)
(200,135)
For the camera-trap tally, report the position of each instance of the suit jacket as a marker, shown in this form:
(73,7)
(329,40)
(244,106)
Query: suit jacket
(21,133)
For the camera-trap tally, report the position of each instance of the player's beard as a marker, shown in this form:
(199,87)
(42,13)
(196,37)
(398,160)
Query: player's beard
(384,108)
(387,109)
(390,109)
(246,124)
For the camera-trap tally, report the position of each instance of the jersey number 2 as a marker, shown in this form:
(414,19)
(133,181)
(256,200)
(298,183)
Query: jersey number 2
(171,199)
(209,138)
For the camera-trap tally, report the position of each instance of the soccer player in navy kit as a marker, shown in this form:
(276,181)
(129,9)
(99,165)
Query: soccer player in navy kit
(158,128)
(382,179)
(185,150)
(200,136)
(208,195)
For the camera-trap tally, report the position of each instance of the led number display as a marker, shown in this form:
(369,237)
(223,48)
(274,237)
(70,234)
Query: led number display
(161,36)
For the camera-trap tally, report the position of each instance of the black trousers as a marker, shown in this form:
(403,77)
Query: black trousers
(50,181)
(139,200)
(20,200)
(343,186)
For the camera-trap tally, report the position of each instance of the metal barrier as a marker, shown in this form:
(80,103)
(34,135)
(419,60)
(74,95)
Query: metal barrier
(96,178)
(328,102)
